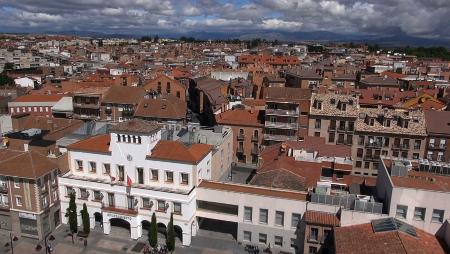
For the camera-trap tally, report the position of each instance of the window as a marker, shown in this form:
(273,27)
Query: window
(16,182)
(98,196)
(248,213)
(184,178)
(359,152)
(431,143)
(293,243)
(295,220)
(84,194)
(366,164)
(111,199)
(419,213)
(146,204)
(312,250)
(438,215)
(415,156)
(140,174)
(69,190)
(130,202)
(417,144)
(121,173)
(18,200)
(263,238)
(314,234)
(401,211)
(331,137)
(326,235)
(430,155)
(358,164)
(440,156)
(247,236)
(318,124)
(106,169)
(177,208)
(161,205)
(154,174)
(317,134)
(278,240)
(79,165)
(442,144)
(178,94)
(92,167)
(263,215)
(279,218)
(169,177)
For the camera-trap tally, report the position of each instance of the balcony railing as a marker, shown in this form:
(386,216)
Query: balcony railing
(3,188)
(372,157)
(279,137)
(86,105)
(240,149)
(255,138)
(282,112)
(240,136)
(374,144)
(400,146)
(437,147)
(281,125)
(121,210)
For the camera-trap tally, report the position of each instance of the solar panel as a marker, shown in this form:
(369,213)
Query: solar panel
(391,224)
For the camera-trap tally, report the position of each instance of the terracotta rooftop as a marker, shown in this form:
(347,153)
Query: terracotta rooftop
(177,151)
(330,105)
(321,218)
(136,126)
(168,107)
(242,117)
(96,144)
(362,239)
(39,98)
(256,190)
(289,94)
(438,122)
(30,164)
(124,95)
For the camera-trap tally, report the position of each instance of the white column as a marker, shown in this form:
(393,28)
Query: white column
(106,227)
(92,222)
(186,238)
(134,232)
(139,230)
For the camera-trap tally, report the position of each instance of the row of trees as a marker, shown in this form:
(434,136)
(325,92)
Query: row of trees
(71,214)
(6,80)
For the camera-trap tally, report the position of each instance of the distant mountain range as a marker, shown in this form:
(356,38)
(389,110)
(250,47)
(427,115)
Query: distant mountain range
(318,36)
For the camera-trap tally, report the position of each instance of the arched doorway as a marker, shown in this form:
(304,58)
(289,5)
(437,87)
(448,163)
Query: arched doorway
(162,229)
(145,224)
(98,219)
(120,228)
(178,233)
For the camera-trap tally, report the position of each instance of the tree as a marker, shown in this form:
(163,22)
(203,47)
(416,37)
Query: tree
(170,238)
(153,232)
(6,80)
(71,213)
(85,219)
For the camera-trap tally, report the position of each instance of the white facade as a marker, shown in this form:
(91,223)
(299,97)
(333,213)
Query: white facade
(163,195)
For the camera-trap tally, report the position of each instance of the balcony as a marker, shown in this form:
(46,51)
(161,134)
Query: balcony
(400,146)
(281,125)
(372,157)
(344,129)
(255,138)
(120,210)
(240,136)
(240,150)
(282,112)
(437,147)
(374,144)
(3,188)
(86,105)
(279,137)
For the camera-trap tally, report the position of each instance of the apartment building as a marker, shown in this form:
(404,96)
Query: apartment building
(87,103)
(35,105)
(286,115)
(438,129)
(318,230)
(415,194)
(247,126)
(303,78)
(21,59)
(333,117)
(29,198)
(120,102)
(126,176)
(371,132)
(164,85)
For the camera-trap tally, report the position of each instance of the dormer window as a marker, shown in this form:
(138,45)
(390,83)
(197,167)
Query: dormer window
(332,101)
(371,121)
(388,123)
(317,104)
(344,106)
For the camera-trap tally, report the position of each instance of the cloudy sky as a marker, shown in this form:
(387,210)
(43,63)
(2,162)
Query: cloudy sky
(425,18)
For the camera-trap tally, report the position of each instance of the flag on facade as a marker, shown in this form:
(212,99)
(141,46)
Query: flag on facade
(129,182)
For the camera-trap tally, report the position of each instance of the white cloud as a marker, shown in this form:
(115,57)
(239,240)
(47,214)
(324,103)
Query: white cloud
(281,24)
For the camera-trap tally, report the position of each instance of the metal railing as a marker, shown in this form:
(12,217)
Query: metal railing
(281,125)
(279,137)
(282,112)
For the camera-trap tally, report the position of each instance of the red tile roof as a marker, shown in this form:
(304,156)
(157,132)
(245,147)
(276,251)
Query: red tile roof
(262,191)
(241,117)
(96,144)
(39,98)
(176,151)
(362,239)
(321,218)
(30,164)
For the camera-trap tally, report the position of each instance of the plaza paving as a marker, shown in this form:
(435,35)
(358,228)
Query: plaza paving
(118,241)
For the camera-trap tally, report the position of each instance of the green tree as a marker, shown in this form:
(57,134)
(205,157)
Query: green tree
(71,213)
(170,238)
(85,219)
(153,232)
(6,80)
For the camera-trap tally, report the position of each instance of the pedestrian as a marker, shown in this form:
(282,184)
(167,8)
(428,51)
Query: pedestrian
(85,242)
